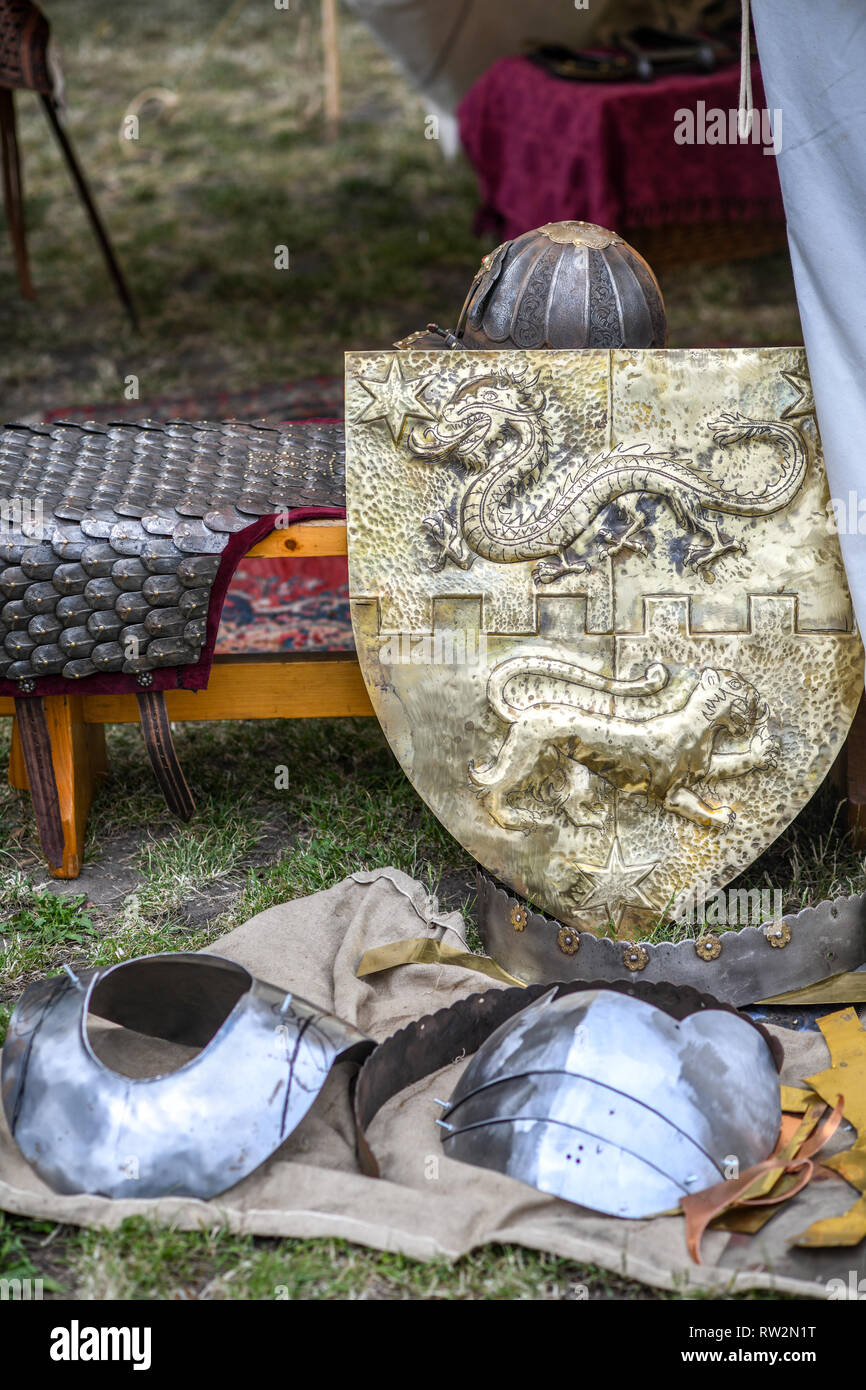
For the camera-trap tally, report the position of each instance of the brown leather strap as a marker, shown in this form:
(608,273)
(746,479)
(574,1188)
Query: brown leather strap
(36,747)
(163,758)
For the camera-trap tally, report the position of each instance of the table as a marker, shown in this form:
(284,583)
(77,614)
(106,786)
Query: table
(548,150)
(290,685)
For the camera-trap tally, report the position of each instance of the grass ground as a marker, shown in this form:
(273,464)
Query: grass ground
(379,234)
(378,226)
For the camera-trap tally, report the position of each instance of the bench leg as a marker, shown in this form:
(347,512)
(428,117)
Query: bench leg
(17,766)
(78,758)
(855,763)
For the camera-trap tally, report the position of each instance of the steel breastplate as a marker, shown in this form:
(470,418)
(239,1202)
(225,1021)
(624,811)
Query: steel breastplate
(198,1130)
(622,1097)
(610,1102)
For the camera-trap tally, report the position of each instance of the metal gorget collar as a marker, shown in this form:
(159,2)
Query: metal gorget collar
(197,1130)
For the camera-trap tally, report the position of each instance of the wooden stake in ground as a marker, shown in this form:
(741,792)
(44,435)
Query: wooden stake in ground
(332,68)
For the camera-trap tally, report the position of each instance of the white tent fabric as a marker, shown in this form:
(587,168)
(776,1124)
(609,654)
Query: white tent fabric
(444,45)
(813,60)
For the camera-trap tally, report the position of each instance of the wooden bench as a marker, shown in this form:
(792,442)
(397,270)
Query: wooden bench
(291,685)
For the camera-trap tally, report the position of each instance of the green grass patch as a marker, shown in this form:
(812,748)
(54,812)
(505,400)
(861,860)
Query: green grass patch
(53,918)
(41,930)
(142,1261)
(20,1244)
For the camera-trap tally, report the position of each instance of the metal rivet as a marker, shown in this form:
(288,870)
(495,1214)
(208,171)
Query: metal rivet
(778,934)
(519,917)
(708,947)
(568,941)
(635,957)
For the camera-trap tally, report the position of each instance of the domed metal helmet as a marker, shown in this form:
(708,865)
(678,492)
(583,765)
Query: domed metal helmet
(564,285)
(612,1102)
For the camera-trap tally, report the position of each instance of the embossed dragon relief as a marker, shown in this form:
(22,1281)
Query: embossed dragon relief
(517,507)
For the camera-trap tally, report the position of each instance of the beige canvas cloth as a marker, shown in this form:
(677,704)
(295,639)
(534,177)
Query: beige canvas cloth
(424,1205)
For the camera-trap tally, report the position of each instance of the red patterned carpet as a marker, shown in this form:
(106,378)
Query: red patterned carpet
(271,605)
(287,605)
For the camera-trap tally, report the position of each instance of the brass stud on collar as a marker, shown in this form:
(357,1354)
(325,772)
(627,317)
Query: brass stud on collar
(519,917)
(568,941)
(778,934)
(635,957)
(708,947)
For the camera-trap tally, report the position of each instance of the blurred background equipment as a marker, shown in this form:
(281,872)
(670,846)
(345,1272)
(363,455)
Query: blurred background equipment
(28,62)
(443,46)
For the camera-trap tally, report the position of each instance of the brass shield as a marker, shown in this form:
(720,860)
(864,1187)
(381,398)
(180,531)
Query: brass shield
(599,604)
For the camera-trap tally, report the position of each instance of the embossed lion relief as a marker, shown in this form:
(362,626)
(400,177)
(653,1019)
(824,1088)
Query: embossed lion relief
(661,756)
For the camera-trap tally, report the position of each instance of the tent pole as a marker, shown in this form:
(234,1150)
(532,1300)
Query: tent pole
(332,68)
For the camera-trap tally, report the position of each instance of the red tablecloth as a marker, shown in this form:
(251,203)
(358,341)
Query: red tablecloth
(547,150)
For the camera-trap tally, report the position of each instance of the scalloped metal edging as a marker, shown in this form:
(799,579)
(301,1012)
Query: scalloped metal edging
(825,940)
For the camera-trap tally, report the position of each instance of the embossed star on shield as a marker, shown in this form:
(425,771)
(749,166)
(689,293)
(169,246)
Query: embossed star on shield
(600,608)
